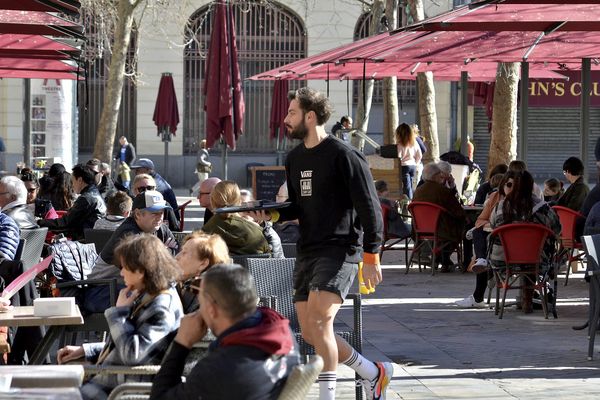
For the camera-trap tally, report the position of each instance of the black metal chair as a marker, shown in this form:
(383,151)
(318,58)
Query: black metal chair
(98,236)
(591,244)
(33,246)
(274,277)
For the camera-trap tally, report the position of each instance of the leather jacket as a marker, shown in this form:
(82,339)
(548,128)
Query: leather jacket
(22,215)
(88,208)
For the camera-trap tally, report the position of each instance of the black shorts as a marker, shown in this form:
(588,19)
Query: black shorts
(321,273)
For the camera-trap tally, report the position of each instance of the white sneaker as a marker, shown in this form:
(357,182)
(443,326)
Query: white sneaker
(376,389)
(469,302)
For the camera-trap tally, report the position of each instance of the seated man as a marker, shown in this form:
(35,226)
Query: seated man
(438,189)
(87,209)
(147,217)
(13,201)
(118,206)
(146,166)
(252,356)
(143,182)
(206,188)
(577,191)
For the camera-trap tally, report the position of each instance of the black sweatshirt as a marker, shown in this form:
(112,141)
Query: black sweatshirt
(333,195)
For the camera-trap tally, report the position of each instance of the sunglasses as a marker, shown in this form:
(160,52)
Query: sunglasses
(31,190)
(144,188)
(508,184)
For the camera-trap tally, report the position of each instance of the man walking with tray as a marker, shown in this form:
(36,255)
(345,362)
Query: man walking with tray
(332,194)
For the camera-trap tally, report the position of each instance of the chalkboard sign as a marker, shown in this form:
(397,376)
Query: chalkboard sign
(266,182)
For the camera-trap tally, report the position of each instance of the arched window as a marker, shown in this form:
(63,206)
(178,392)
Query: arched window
(267,35)
(406,88)
(91,95)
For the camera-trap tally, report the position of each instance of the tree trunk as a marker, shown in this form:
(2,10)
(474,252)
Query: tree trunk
(428,116)
(390,85)
(365,94)
(503,146)
(427,113)
(107,127)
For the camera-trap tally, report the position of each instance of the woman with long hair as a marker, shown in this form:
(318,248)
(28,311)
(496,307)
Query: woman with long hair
(410,156)
(60,191)
(521,205)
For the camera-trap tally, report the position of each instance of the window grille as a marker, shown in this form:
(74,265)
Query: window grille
(268,35)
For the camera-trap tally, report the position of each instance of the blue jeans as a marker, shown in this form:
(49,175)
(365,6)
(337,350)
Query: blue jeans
(407,173)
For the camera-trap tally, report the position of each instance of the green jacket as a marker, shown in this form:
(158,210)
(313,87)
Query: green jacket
(242,236)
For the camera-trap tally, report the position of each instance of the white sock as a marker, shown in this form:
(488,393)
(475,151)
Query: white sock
(363,367)
(327,381)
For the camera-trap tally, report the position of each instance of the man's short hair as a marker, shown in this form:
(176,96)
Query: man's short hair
(84,172)
(94,164)
(15,187)
(430,170)
(345,119)
(573,165)
(445,167)
(233,289)
(312,100)
(118,203)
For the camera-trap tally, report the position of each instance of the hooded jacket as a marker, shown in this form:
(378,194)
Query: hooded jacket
(250,360)
(242,236)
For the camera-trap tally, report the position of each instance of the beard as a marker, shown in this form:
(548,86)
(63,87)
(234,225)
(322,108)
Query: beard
(299,132)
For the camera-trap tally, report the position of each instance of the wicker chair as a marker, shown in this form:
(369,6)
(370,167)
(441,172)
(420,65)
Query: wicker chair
(32,248)
(274,277)
(242,259)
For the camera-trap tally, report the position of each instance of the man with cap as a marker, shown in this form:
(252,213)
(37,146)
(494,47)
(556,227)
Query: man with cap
(146,166)
(146,217)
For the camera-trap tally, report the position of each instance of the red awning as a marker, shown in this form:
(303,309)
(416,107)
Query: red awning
(37,23)
(62,6)
(512,16)
(31,46)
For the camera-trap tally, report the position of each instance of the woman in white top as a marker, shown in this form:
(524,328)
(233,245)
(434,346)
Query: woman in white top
(410,155)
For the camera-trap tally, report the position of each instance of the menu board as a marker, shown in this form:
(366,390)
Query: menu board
(266,182)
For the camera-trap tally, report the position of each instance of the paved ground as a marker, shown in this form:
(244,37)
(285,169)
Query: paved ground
(443,352)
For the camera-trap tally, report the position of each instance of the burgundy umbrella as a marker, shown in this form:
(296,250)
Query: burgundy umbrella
(166,113)
(224,100)
(279,108)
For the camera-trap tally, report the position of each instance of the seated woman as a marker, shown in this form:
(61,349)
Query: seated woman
(520,205)
(199,252)
(145,318)
(241,235)
(266,226)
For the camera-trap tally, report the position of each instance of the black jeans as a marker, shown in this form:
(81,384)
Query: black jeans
(480,246)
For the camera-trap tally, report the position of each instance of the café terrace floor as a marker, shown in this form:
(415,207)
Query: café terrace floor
(440,351)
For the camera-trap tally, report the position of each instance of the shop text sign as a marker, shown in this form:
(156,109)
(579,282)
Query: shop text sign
(563,93)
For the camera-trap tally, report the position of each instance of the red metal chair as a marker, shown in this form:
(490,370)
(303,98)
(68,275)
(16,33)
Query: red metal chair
(391,241)
(523,244)
(181,210)
(425,218)
(568,238)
